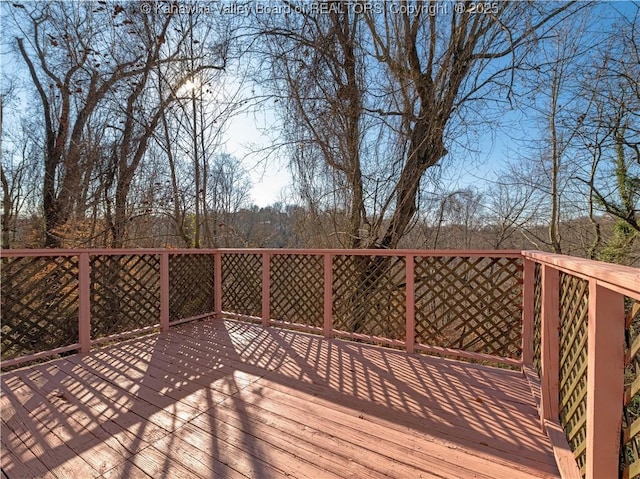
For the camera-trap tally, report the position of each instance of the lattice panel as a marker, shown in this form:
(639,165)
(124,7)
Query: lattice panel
(574,309)
(297,289)
(369,295)
(470,303)
(537,319)
(125,293)
(39,303)
(242,284)
(630,446)
(191,285)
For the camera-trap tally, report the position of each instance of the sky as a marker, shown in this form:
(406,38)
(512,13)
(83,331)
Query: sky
(245,139)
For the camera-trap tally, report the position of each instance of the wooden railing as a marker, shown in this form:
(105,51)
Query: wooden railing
(583,318)
(57,301)
(572,325)
(457,303)
(438,302)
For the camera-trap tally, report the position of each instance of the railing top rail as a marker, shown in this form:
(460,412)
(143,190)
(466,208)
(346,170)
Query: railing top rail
(101,251)
(379,252)
(274,251)
(614,276)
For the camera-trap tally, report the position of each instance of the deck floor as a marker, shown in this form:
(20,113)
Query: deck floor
(230,399)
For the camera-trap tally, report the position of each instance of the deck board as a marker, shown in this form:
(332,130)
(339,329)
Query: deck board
(231,399)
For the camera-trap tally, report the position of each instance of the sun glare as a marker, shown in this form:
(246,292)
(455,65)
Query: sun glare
(188,87)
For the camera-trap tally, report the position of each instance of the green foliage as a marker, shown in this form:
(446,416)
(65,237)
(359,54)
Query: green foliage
(619,248)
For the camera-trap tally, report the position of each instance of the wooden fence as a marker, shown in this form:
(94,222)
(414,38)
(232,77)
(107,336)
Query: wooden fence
(583,318)
(570,324)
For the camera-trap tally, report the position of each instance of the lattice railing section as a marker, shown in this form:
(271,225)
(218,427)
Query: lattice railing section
(469,303)
(369,295)
(242,284)
(125,293)
(297,289)
(537,319)
(191,285)
(630,446)
(39,303)
(574,304)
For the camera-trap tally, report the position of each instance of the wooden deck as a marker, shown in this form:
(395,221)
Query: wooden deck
(230,399)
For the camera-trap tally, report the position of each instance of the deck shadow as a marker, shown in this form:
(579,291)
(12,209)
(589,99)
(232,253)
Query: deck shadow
(231,399)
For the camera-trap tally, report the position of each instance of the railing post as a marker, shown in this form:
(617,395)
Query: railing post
(327,325)
(164,291)
(84,302)
(550,344)
(266,286)
(528,279)
(605,380)
(410,299)
(217,284)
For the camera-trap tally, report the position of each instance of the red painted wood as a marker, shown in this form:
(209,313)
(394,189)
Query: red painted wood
(379,252)
(144,395)
(227,399)
(296,326)
(204,453)
(625,279)
(54,454)
(193,318)
(84,299)
(327,326)
(528,278)
(366,337)
(63,421)
(154,463)
(164,292)
(458,353)
(6,253)
(550,344)
(44,354)
(241,317)
(217,284)
(266,289)
(410,303)
(562,452)
(18,458)
(126,469)
(605,380)
(128,334)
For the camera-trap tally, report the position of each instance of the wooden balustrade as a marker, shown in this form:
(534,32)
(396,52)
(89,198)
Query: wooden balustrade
(573,325)
(581,315)
(443,302)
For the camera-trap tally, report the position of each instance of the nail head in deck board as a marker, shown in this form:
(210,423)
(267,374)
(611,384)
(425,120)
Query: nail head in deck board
(291,398)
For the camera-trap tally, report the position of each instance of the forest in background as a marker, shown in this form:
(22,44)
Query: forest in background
(114,118)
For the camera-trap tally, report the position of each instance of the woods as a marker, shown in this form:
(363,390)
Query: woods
(408,124)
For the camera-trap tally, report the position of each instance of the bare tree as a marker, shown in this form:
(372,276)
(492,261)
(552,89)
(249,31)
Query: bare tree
(71,53)
(228,193)
(608,140)
(317,61)
(85,60)
(19,172)
(427,71)
(512,207)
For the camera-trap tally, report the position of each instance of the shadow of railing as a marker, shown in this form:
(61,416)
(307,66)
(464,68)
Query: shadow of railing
(200,389)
